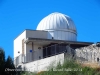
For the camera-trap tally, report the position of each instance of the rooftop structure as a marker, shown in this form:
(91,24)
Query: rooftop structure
(59,26)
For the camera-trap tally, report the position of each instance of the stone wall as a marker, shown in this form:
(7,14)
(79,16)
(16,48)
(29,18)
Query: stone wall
(89,53)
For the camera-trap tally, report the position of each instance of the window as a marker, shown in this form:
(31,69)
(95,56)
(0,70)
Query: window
(97,59)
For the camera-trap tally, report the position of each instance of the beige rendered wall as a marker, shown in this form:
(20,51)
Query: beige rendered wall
(34,55)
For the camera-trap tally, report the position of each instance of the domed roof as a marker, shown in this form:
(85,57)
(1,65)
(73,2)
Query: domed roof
(56,21)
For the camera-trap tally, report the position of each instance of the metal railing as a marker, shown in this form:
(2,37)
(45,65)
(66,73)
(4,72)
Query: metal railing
(21,59)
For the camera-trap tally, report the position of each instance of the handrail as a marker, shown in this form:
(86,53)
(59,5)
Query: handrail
(21,59)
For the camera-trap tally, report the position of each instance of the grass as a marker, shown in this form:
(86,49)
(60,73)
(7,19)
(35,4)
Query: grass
(69,67)
(91,64)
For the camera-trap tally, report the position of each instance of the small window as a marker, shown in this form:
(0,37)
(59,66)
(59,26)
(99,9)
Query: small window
(18,51)
(52,38)
(39,57)
(97,59)
(39,48)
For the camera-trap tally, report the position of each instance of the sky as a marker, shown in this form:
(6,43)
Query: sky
(18,15)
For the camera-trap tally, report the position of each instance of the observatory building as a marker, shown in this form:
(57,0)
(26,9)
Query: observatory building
(54,38)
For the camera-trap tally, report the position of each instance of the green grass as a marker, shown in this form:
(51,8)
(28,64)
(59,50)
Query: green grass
(69,67)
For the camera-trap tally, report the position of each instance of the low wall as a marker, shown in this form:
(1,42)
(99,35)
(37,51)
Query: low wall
(43,64)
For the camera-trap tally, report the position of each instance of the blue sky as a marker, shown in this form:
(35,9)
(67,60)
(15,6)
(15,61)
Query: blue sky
(18,15)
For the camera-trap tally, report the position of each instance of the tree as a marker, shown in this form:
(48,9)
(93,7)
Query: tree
(6,64)
(2,61)
(9,65)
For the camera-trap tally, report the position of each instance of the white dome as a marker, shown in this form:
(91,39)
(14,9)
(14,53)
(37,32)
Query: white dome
(56,21)
(59,26)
